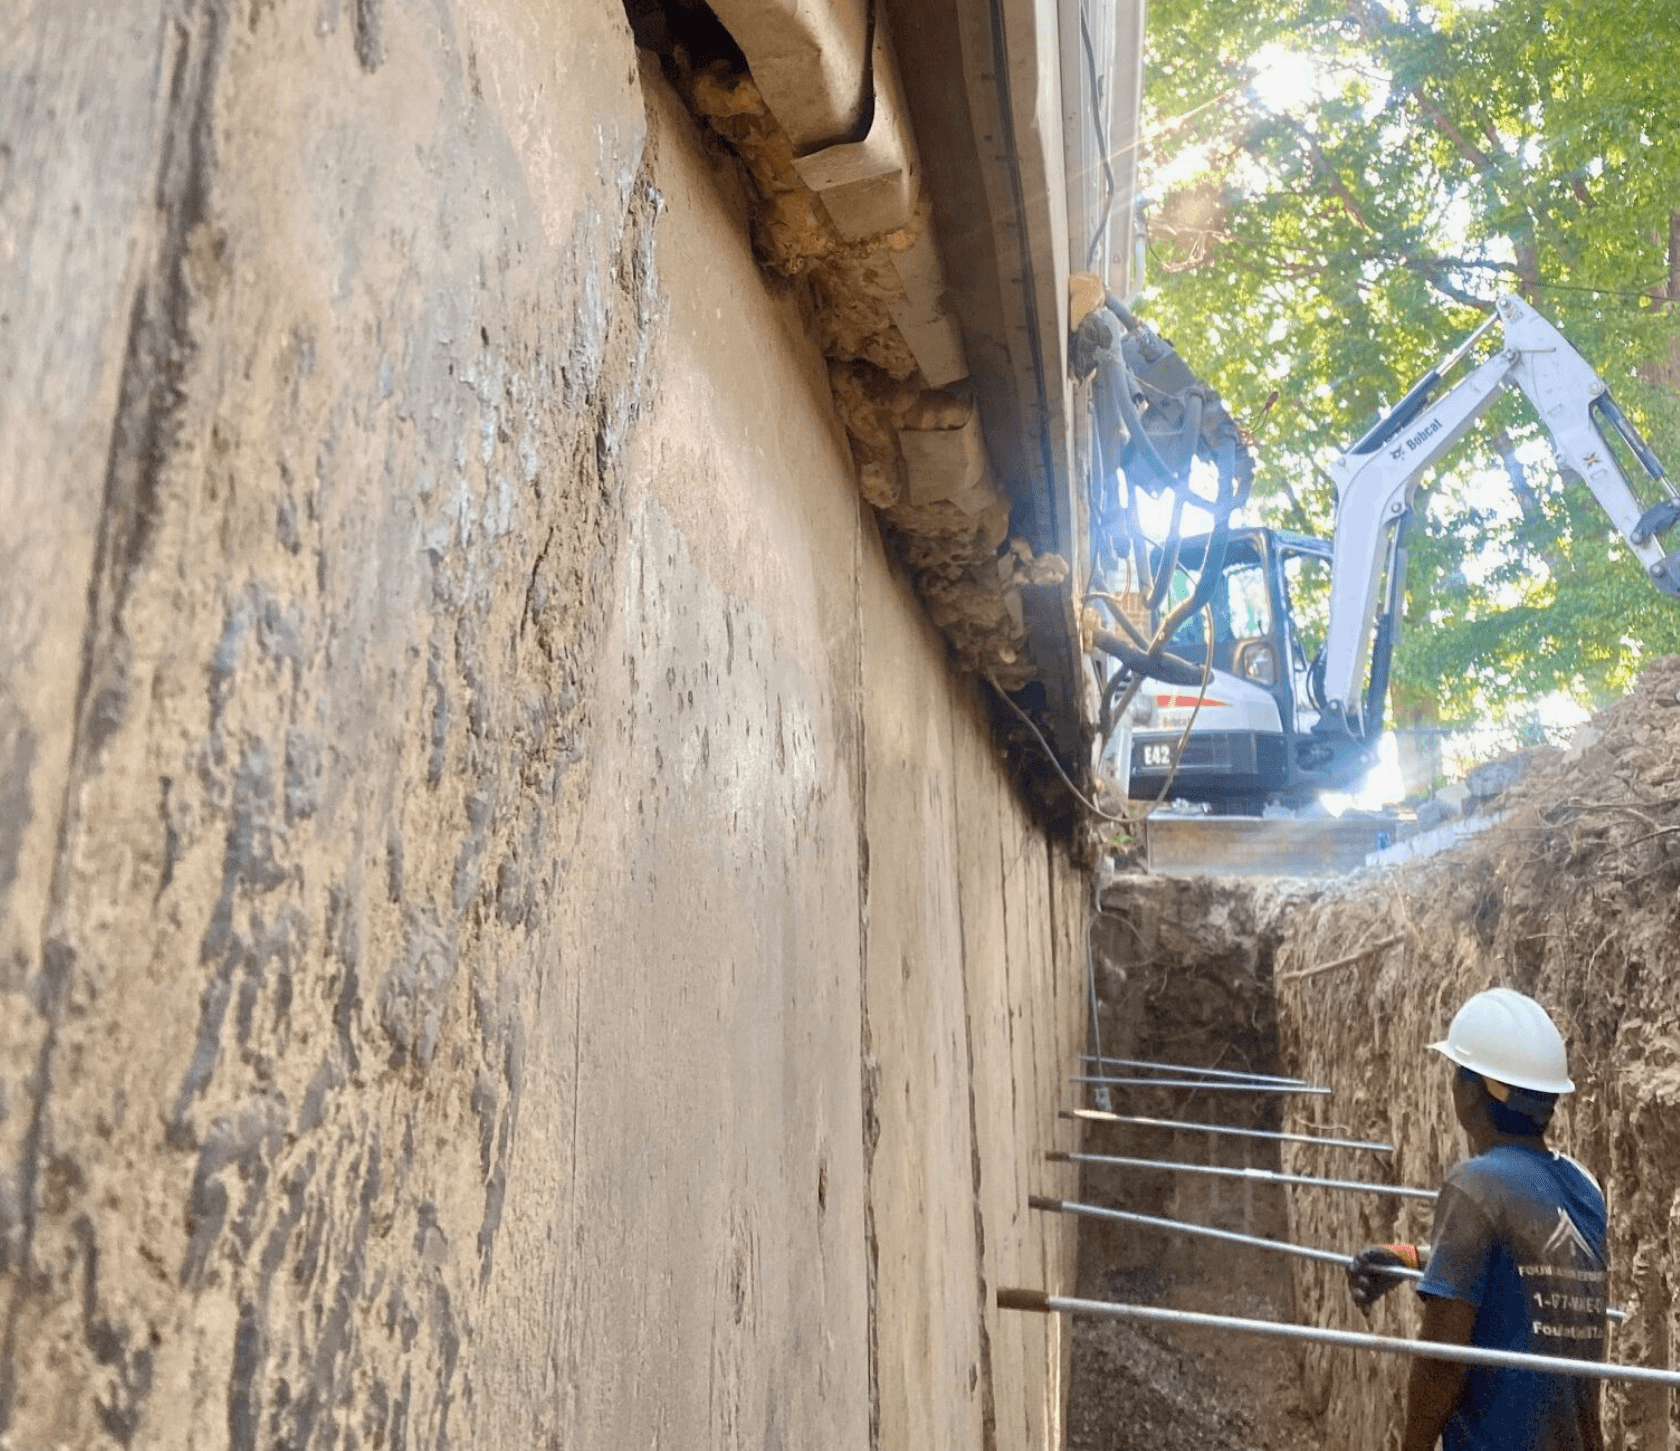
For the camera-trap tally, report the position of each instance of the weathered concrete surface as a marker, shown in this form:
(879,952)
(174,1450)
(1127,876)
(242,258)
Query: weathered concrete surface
(509,933)
(971,920)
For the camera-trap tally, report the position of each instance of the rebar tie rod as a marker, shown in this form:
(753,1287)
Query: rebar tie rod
(1211,1086)
(1037,1302)
(1207,1231)
(1221,1171)
(1102,1116)
(1243,1075)
(1230,1236)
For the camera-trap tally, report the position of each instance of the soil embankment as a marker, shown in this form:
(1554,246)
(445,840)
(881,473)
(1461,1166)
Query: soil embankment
(1574,898)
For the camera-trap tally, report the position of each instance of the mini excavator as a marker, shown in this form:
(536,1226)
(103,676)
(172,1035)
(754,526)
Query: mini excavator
(1276,715)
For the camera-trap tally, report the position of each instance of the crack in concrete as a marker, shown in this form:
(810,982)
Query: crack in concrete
(988,1393)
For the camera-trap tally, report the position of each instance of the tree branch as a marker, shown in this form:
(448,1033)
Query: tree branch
(1673,257)
(1434,278)
(1489,165)
(1527,500)
(1485,264)
(1467,148)
(1322,165)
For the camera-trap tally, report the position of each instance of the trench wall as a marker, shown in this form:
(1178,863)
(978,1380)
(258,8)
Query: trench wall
(1183,977)
(1573,899)
(510,931)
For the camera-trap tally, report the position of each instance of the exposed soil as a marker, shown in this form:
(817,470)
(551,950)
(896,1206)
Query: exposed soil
(1137,1388)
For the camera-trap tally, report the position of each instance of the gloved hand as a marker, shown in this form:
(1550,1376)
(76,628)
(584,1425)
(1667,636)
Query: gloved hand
(1366,1281)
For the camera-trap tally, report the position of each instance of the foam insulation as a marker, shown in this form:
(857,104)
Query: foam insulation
(896,366)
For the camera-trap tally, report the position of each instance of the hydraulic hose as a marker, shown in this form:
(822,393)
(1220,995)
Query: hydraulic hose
(1172,669)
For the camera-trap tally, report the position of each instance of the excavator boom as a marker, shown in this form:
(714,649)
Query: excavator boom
(1377,478)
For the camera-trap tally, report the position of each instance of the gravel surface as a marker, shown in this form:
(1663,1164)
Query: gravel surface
(1178,1389)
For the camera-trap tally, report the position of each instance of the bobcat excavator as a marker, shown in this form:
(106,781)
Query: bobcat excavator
(1282,716)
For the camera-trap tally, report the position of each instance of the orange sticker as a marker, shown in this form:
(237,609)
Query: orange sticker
(1189,702)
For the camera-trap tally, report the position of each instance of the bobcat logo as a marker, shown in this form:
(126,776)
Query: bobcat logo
(1566,1237)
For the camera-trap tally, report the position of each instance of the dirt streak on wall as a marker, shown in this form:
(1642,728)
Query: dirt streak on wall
(1575,899)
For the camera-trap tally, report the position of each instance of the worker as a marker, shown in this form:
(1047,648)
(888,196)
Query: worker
(1517,1258)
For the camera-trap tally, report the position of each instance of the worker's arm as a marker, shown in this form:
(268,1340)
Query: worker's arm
(1435,1385)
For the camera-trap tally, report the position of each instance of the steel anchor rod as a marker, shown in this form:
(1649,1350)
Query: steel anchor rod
(1037,1302)
(1097,1115)
(1220,1171)
(1194,1083)
(1207,1231)
(1191,1068)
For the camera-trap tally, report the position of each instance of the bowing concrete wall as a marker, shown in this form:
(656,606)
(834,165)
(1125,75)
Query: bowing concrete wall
(510,931)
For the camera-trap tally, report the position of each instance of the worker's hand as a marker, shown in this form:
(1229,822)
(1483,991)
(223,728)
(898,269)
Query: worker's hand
(1367,1280)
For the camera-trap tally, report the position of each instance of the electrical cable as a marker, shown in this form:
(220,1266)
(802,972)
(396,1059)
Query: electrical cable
(1178,750)
(1121,618)
(1067,780)
(1110,188)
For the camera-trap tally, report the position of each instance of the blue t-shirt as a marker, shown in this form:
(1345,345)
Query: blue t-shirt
(1520,1234)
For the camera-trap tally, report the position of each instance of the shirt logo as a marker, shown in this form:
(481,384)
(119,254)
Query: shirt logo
(1567,1237)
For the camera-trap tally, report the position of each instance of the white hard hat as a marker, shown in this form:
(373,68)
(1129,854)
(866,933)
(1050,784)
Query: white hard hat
(1507,1037)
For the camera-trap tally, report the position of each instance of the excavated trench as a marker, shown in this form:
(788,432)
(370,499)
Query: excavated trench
(1573,897)
(1184,976)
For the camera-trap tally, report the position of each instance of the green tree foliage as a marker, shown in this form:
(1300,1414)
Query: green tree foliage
(1332,244)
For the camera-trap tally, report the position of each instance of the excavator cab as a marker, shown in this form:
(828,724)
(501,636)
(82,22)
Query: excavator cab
(1246,737)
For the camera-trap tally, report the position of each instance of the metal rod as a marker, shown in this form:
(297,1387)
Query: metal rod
(1038,1302)
(1451,361)
(1097,1115)
(1207,1231)
(1219,1171)
(1194,1083)
(1190,1068)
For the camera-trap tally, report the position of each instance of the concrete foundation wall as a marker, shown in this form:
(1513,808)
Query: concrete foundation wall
(510,932)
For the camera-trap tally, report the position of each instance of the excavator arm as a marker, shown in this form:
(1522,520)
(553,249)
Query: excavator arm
(1377,478)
